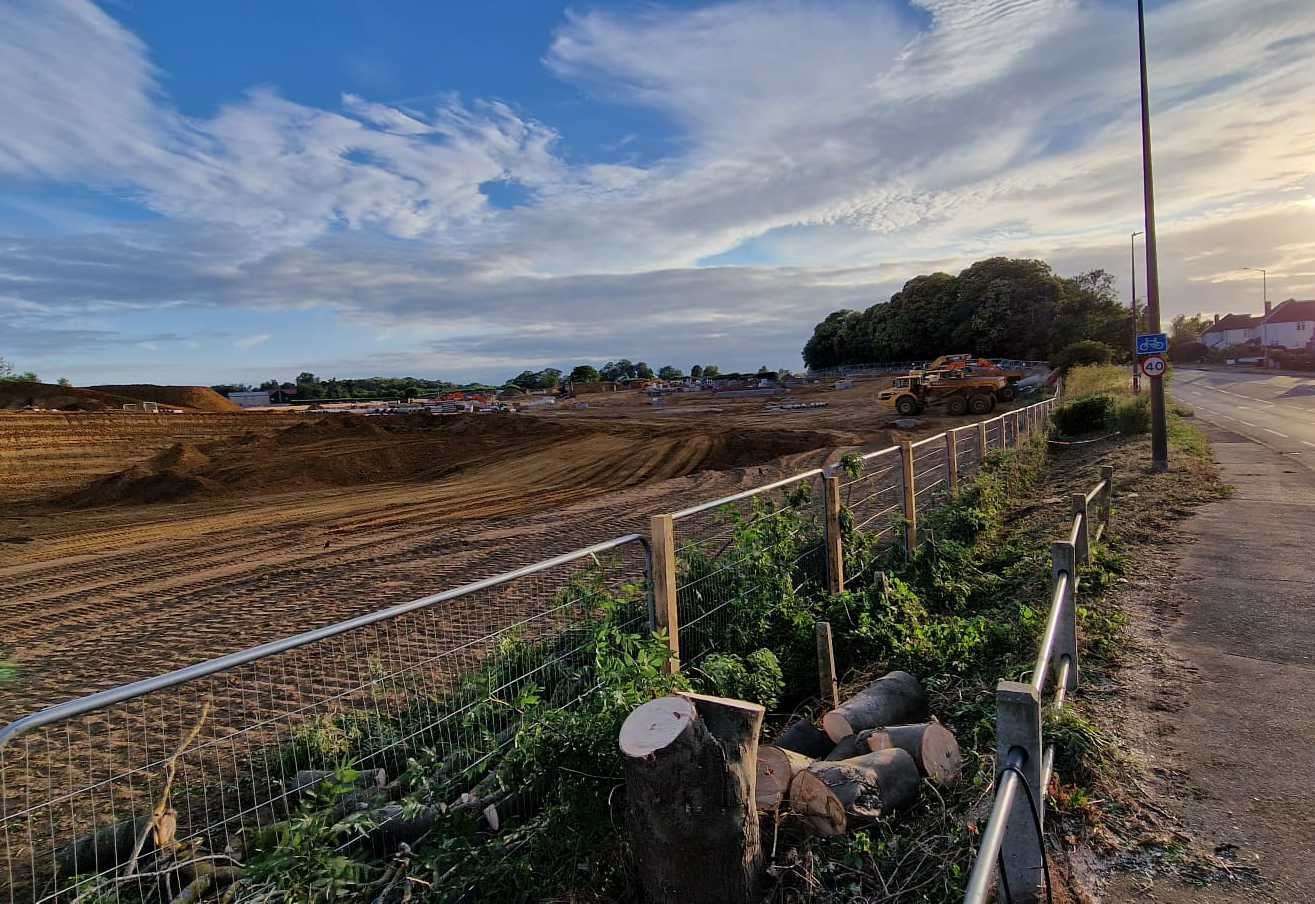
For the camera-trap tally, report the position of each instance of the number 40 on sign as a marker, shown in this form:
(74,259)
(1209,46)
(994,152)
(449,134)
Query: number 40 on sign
(1153,366)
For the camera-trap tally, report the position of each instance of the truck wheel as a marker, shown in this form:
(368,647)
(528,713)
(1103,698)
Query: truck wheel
(1007,394)
(907,406)
(981,403)
(957,405)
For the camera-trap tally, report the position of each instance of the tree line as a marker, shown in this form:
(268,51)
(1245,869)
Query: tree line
(997,308)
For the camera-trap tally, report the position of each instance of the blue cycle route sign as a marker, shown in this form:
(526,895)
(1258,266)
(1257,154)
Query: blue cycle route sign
(1152,343)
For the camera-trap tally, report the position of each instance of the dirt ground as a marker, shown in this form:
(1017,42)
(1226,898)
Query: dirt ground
(111,578)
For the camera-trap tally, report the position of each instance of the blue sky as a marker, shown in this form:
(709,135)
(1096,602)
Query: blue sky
(216,192)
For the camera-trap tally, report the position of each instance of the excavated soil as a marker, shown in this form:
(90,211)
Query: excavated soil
(348,451)
(194,398)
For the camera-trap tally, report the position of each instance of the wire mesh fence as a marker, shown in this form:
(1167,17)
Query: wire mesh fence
(732,550)
(200,757)
(967,451)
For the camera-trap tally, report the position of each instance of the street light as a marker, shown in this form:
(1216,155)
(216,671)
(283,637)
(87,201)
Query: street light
(1264,295)
(1159,428)
(1132,254)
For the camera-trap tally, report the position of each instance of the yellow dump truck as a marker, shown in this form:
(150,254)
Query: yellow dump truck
(954,390)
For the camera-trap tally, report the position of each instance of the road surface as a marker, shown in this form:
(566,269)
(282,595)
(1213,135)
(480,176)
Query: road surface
(1275,411)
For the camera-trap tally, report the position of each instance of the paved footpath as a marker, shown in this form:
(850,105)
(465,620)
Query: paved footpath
(1247,734)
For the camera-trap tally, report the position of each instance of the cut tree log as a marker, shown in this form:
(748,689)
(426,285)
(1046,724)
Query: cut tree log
(802,736)
(833,798)
(932,746)
(691,770)
(777,767)
(848,748)
(893,699)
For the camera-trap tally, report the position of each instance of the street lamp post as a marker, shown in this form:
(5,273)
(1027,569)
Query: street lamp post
(1159,427)
(1132,254)
(1264,297)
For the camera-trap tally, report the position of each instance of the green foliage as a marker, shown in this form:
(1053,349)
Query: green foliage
(9,375)
(997,307)
(756,677)
(668,372)
(548,378)
(1132,414)
(303,856)
(1085,415)
(584,373)
(1087,351)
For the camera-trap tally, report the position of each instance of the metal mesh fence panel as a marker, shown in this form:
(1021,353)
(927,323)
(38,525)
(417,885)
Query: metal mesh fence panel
(931,473)
(873,503)
(203,755)
(730,552)
(967,452)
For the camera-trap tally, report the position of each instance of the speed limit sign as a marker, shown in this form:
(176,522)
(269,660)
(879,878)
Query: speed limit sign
(1153,366)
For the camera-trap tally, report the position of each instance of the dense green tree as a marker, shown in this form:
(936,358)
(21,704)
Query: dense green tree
(711,371)
(696,372)
(64,381)
(585,373)
(667,372)
(999,307)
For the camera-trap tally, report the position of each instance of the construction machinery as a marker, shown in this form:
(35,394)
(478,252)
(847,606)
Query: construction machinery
(959,391)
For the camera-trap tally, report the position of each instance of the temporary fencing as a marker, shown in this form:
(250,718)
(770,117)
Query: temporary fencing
(202,754)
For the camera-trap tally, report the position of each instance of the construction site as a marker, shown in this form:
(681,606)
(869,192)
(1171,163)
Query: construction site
(134,543)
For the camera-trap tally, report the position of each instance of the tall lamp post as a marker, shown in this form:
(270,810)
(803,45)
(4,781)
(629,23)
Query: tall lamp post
(1159,427)
(1132,254)
(1264,296)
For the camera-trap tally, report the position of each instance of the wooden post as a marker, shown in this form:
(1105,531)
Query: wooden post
(826,667)
(952,462)
(910,499)
(1107,500)
(981,441)
(835,541)
(1084,526)
(666,614)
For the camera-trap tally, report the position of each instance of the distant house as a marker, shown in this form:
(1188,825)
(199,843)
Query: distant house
(257,399)
(1231,329)
(1291,324)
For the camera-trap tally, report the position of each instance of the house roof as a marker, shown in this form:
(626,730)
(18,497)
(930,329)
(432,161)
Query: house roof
(1292,311)
(1234,322)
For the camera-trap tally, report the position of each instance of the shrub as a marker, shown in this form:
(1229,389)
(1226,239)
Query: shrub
(756,677)
(1132,415)
(1085,415)
(1088,351)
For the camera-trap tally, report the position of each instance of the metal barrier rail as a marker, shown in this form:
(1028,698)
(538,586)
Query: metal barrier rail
(228,744)
(1013,842)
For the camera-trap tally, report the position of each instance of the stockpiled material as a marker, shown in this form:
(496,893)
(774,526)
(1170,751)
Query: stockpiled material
(802,736)
(691,768)
(893,699)
(833,797)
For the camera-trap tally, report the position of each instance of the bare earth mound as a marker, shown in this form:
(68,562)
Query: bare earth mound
(197,398)
(349,450)
(16,396)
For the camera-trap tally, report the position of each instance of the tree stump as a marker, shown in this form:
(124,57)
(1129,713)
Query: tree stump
(691,770)
(832,798)
(802,736)
(777,767)
(894,699)
(932,746)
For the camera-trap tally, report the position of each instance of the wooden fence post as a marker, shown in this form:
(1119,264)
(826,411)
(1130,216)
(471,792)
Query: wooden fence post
(1107,500)
(666,614)
(910,499)
(827,682)
(1084,527)
(952,461)
(835,541)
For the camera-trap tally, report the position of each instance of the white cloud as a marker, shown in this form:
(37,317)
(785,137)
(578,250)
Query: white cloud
(853,143)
